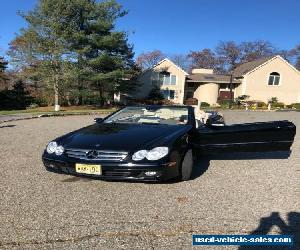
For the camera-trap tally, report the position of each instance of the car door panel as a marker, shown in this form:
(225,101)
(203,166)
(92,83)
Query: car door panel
(247,137)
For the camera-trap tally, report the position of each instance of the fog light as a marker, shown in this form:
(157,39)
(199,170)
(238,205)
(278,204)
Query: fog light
(150,173)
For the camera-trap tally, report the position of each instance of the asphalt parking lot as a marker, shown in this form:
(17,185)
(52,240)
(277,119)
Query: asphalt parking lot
(42,210)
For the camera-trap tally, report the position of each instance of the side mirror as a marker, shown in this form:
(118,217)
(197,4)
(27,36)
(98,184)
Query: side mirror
(215,120)
(98,120)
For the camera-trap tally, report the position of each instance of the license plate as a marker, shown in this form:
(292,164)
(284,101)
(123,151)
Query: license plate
(88,169)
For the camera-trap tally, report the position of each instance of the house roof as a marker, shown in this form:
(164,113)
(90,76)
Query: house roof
(245,68)
(168,60)
(210,78)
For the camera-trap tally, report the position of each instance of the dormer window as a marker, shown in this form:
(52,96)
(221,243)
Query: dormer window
(274,79)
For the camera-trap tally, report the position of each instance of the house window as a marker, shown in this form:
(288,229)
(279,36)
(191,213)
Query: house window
(173,80)
(163,78)
(168,94)
(224,87)
(166,80)
(171,94)
(155,79)
(274,78)
(189,94)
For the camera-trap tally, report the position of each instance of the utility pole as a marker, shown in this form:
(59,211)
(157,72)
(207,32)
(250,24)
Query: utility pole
(230,88)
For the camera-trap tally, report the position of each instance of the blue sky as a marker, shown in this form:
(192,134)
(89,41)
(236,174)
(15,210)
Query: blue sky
(178,26)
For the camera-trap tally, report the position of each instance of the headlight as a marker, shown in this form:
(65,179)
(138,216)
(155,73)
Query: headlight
(157,153)
(51,147)
(139,155)
(59,150)
(152,155)
(54,148)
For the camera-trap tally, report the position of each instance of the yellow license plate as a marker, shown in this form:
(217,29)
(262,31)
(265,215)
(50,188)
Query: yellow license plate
(88,169)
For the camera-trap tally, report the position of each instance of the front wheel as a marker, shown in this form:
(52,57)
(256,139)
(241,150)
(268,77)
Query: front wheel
(187,165)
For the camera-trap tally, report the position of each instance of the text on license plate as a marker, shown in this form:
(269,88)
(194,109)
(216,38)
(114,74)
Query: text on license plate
(88,169)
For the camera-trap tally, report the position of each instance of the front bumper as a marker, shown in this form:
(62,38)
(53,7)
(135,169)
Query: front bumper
(116,171)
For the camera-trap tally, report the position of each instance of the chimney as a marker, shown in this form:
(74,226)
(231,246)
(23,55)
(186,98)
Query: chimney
(202,71)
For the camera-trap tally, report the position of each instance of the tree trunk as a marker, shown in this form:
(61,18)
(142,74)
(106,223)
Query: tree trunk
(80,88)
(56,84)
(101,94)
(68,99)
(56,96)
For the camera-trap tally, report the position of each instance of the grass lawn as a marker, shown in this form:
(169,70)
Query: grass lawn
(63,110)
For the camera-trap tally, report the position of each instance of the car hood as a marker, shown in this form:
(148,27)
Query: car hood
(123,137)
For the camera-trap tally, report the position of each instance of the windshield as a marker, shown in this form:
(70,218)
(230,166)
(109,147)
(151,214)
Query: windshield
(145,115)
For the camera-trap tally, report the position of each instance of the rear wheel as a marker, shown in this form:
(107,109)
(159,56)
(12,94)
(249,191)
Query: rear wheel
(187,165)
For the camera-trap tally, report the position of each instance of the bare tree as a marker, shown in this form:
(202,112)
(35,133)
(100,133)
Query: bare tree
(181,60)
(254,50)
(229,53)
(149,59)
(205,58)
(286,54)
(295,56)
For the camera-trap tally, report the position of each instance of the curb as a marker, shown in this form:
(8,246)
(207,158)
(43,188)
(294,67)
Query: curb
(51,115)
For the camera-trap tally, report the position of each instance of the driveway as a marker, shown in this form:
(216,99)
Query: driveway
(42,210)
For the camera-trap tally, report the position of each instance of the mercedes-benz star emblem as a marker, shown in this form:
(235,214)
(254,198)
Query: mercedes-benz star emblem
(93,154)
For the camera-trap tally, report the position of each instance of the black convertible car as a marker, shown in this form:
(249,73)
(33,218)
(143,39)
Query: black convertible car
(158,143)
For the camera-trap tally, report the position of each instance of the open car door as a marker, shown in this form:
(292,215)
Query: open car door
(247,137)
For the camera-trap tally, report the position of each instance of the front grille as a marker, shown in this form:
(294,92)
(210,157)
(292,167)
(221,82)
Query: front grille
(122,173)
(96,155)
(116,173)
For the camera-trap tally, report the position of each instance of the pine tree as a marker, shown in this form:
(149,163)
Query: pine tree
(103,54)
(74,43)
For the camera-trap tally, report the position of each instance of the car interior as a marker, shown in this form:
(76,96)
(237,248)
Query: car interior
(164,116)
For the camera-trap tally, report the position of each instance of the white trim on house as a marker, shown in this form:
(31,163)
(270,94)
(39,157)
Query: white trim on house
(210,81)
(273,58)
(168,60)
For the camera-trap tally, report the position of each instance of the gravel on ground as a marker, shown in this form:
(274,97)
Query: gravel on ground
(42,210)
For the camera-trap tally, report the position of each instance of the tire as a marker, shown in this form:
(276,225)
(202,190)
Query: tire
(187,165)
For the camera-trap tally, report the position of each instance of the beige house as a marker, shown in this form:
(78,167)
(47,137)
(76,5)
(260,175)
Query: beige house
(260,79)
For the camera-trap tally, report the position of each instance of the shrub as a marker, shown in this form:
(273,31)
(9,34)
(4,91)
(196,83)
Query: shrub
(224,103)
(273,100)
(241,100)
(295,105)
(155,94)
(191,101)
(151,102)
(32,106)
(256,104)
(17,98)
(278,105)
(261,104)
(41,101)
(205,104)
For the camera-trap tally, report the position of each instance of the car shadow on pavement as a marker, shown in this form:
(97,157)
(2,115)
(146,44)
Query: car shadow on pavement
(201,165)
(252,155)
(76,178)
(292,227)
(202,162)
